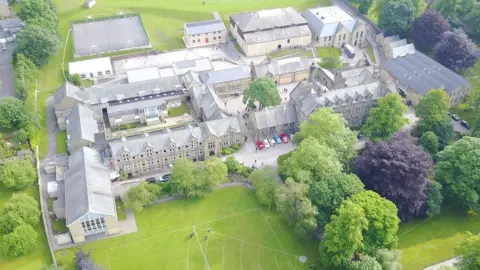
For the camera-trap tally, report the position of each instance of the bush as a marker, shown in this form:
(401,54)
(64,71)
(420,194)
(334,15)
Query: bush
(22,240)
(141,195)
(17,174)
(226,151)
(236,146)
(265,183)
(234,167)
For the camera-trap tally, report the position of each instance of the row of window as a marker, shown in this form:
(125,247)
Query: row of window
(99,73)
(206,40)
(198,35)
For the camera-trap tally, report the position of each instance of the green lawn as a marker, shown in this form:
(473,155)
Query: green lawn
(38,257)
(371,53)
(50,204)
(281,53)
(243,236)
(328,51)
(58,225)
(61,137)
(120,210)
(427,242)
(178,111)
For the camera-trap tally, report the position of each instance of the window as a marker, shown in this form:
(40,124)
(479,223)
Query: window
(108,72)
(344,36)
(83,76)
(211,145)
(100,73)
(325,39)
(198,40)
(330,38)
(93,223)
(361,34)
(91,75)
(288,40)
(193,41)
(356,36)
(214,38)
(219,37)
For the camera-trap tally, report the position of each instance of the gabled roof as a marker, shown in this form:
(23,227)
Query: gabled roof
(195,28)
(197,65)
(267,19)
(327,21)
(67,90)
(209,102)
(282,66)
(87,186)
(277,34)
(221,127)
(403,50)
(422,73)
(226,75)
(81,126)
(272,117)
(191,79)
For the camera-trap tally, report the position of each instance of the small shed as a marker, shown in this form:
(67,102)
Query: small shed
(52,189)
(90,3)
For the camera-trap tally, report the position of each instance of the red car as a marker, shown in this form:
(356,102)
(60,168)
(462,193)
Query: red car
(284,138)
(260,145)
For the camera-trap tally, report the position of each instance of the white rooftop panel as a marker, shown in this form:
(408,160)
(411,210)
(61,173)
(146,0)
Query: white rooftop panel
(143,74)
(92,65)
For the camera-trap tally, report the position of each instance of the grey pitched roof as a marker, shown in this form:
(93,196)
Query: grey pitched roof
(422,73)
(196,65)
(391,39)
(191,79)
(272,117)
(106,35)
(226,75)
(132,107)
(277,34)
(138,144)
(267,19)
(66,90)
(108,93)
(221,127)
(209,102)
(87,186)
(81,125)
(398,43)
(282,66)
(202,27)
(11,23)
(326,21)
(403,50)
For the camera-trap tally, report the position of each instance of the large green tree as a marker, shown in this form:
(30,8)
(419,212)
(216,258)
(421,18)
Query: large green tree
(25,76)
(379,5)
(330,128)
(215,171)
(389,259)
(469,253)
(473,106)
(17,174)
(458,171)
(396,17)
(343,235)
(24,207)
(264,91)
(429,142)
(328,193)
(265,183)
(472,22)
(193,179)
(386,118)
(383,221)
(313,157)
(141,195)
(295,207)
(365,263)
(12,113)
(40,12)
(22,240)
(38,43)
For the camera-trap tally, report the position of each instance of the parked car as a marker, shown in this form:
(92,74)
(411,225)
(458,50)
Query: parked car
(165,177)
(266,143)
(151,180)
(260,145)
(271,141)
(455,117)
(284,138)
(465,124)
(277,140)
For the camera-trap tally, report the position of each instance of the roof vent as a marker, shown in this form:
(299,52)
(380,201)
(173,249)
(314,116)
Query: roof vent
(322,18)
(124,139)
(104,100)
(156,90)
(141,93)
(120,97)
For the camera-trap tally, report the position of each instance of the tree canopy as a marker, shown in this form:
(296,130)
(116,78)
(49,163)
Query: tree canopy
(38,43)
(435,199)
(429,142)
(17,174)
(363,5)
(389,259)
(469,253)
(365,263)
(12,113)
(448,9)
(458,172)
(24,207)
(22,240)
(386,118)
(455,50)
(25,76)
(295,207)
(265,183)
(215,170)
(428,29)
(472,21)
(264,91)
(83,261)
(330,128)
(398,170)
(38,12)
(396,17)
(473,104)
(141,195)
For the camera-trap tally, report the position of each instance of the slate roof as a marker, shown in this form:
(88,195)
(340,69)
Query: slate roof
(422,73)
(107,35)
(326,21)
(67,90)
(87,186)
(403,50)
(203,27)
(272,117)
(277,34)
(11,23)
(176,138)
(226,75)
(267,19)
(209,102)
(125,108)
(196,65)
(81,125)
(191,79)
(282,66)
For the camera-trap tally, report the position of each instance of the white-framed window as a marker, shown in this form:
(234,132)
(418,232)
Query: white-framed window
(93,223)
(100,73)
(83,76)
(108,72)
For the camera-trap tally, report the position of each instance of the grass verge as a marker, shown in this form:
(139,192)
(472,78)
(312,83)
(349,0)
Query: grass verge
(120,210)
(61,139)
(178,111)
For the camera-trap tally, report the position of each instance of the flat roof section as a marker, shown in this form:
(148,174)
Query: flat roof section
(92,65)
(109,35)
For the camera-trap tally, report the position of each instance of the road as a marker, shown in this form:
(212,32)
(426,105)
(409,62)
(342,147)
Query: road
(6,72)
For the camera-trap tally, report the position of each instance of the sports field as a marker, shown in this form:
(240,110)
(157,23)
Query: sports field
(242,236)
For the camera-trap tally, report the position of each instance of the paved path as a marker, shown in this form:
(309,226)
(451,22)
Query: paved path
(438,266)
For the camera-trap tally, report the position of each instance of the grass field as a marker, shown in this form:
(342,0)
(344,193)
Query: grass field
(243,236)
(178,111)
(61,139)
(38,257)
(427,242)
(281,53)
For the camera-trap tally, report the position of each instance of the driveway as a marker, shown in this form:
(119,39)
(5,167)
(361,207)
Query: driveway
(6,71)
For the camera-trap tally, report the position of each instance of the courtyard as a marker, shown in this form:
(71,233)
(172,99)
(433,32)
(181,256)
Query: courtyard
(242,236)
